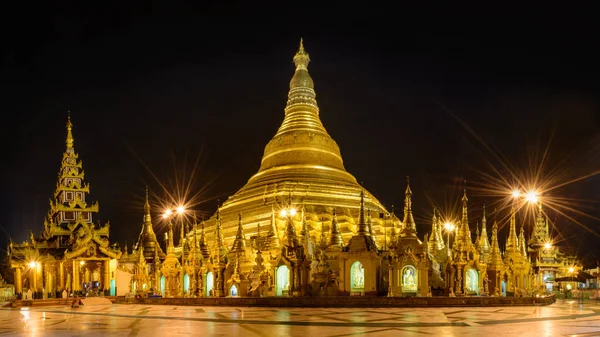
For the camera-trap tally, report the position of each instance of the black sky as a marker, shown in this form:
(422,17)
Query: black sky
(151,86)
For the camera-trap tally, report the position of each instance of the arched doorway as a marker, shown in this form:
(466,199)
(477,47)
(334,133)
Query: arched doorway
(283,281)
(233,291)
(472,281)
(504,281)
(186,283)
(409,279)
(209,282)
(357,278)
(162,285)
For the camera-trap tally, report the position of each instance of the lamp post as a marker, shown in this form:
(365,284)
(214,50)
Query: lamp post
(179,210)
(449,226)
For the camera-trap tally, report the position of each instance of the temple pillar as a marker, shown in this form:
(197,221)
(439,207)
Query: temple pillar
(106,282)
(391,282)
(18,280)
(400,281)
(75,281)
(61,273)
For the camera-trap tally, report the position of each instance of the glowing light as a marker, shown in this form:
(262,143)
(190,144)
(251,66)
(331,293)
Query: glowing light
(82,262)
(283,212)
(571,269)
(32,264)
(516,193)
(165,216)
(547,245)
(180,210)
(292,212)
(531,197)
(449,226)
(167,213)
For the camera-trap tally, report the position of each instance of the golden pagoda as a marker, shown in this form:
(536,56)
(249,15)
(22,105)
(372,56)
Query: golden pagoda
(301,167)
(72,253)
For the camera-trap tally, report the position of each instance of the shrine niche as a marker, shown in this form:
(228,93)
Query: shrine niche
(409,279)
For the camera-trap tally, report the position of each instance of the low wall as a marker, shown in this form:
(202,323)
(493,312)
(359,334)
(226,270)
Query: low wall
(345,301)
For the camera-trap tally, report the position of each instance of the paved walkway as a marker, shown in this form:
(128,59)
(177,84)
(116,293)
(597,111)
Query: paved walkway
(564,318)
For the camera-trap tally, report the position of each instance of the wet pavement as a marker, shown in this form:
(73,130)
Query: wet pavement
(563,318)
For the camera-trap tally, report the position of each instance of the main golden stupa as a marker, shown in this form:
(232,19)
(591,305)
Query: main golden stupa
(301,168)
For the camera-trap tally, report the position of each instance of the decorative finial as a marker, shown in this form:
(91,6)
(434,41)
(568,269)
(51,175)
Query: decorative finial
(70,139)
(301,59)
(147,207)
(408,190)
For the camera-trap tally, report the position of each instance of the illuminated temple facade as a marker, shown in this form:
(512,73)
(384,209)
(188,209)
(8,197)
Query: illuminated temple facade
(301,226)
(72,252)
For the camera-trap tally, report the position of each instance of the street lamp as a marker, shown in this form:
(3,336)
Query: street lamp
(449,226)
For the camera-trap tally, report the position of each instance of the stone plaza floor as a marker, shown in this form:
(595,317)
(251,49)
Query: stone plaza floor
(563,318)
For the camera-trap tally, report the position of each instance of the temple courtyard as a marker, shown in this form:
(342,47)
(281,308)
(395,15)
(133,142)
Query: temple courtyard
(563,318)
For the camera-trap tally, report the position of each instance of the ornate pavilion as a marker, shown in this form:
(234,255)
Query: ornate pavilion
(72,252)
(301,226)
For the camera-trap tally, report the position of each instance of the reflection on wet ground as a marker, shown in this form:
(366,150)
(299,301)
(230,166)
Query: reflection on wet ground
(564,318)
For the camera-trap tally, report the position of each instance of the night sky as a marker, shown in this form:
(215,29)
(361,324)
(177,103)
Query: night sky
(442,96)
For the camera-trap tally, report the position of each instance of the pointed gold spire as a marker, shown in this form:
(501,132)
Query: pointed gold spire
(203,245)
(362,228)
(484,243)
(436,242)
(512,243)
(239,244)
(495,259)
(272,239)
(336,236)
(522,243)
(409,227)
(147,216)
(70,139)
(302,147)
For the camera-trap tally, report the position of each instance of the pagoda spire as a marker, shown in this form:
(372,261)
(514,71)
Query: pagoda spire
(463,240)
(147,237)
(512,242)
(71,192)
(495,259)
(362,240)
(70,139)
(477,234)
(239,244)
(409,228)
(219,242)
(362,229)
(292,150)
(203,245)
(336,236)
(436,242)
(522,243)
(540,234)
(484,243)
(305,235)
(272,239)
(147,216)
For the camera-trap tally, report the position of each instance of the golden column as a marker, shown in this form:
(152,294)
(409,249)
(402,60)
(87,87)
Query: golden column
(76,284)
(106,275)
(61,273)
(19,280)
